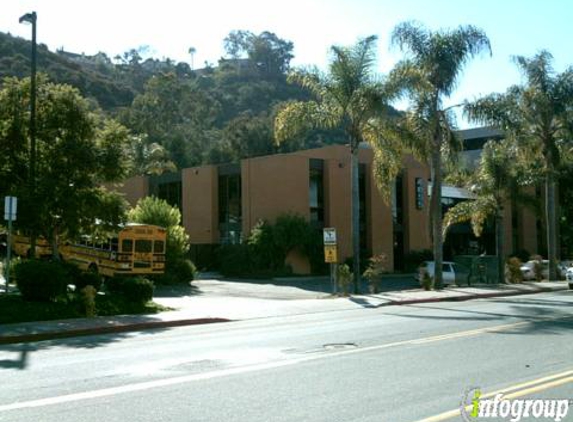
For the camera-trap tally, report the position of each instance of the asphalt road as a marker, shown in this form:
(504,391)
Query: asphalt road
(390,364)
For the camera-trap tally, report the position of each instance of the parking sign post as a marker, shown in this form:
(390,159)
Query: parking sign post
(10,208)
(331,253)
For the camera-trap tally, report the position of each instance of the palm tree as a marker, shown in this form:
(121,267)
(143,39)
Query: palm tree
(149,158)
(430,74)
(192,51)
(536,116)
(347,97)
(492,183)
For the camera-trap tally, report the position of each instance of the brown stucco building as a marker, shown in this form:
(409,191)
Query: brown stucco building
(222,203)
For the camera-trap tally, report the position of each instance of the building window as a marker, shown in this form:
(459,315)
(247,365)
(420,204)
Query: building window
(171,192)
(397,203)
(168,187)
(419,193)
(230,212)
(316,193)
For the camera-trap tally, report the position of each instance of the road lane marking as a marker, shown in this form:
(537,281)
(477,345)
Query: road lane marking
(130,388)
(511,392)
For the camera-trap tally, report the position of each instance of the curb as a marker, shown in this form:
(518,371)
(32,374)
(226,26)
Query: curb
(149,325)
(124,328)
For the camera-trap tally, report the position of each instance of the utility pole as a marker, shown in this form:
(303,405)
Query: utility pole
(31,18)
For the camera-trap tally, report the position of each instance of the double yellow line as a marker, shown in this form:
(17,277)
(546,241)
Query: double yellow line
(512,392)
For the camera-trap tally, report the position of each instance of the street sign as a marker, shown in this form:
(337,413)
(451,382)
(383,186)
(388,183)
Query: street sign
(329,236)
(330,254)
(10,208)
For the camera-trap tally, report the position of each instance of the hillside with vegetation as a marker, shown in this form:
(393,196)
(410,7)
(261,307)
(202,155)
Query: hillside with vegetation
(177,114)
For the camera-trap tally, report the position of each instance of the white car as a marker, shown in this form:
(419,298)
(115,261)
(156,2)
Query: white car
(529,274)
(569,277)
(452,273)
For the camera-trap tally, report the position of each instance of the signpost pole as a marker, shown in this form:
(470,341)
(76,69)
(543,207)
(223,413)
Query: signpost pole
(8,254)
(10,208)
(331,254)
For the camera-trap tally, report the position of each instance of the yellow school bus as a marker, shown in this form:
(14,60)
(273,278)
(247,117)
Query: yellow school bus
(138,249)
(21,246)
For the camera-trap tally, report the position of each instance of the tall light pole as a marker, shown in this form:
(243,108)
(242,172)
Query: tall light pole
(31,18)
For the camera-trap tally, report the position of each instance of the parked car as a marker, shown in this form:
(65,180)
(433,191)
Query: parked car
(529,274)
(569,277)
(452,273)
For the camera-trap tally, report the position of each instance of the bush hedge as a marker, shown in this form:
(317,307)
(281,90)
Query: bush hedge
(41,281)
(268,245)
(133,289)
(182,270)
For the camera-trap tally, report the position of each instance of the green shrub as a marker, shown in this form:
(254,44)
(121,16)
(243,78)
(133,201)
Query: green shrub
(136,290)
(113,285)
(363,262)
(270,244)
(537,267)
(14,261)
(376,267)
(513,270)
(151,210)
(183,270)
(426,281)
(84,279)
(88,295)
(41,281)
(344,278)
(267,246)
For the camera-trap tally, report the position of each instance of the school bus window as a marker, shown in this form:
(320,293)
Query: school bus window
(143,246)
(158,246)
(127,245)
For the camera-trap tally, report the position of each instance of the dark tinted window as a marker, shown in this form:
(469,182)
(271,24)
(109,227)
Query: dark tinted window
(143,246)
(158,246)
(127,245)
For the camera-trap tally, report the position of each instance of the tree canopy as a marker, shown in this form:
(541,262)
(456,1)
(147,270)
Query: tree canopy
(78,150)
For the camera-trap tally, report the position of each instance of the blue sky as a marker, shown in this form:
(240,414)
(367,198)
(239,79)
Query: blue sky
(170,27)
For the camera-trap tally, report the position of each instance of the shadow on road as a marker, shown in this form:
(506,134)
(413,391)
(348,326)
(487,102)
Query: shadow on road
(362,302)
(324,285)
(177,290)
(545,316)
(76,340)
(21,362)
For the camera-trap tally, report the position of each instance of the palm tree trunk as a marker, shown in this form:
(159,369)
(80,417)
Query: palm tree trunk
(355,212)
(499,242)
(436,212)
(551,224)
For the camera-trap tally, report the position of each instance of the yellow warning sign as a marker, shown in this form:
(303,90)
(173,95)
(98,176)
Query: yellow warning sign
(330,254)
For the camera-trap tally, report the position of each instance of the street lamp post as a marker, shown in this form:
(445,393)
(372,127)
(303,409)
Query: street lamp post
(31,19)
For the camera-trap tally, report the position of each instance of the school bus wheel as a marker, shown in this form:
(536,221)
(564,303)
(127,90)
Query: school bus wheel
(93,268)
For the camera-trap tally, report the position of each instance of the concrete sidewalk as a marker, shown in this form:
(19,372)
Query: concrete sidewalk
(212,301)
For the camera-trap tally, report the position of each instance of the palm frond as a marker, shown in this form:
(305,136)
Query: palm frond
(538,70)
(384,136)
(411,36)
(297,117)
(449,52)
(311,79)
